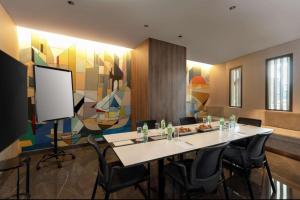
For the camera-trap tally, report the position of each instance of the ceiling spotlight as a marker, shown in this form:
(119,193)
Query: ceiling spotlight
(180,36)
(71,3)
(146,25)
(232,7)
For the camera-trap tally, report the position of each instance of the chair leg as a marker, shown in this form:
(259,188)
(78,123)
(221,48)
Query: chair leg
(95,188)
(173,189)
(106,195)
(225,186)
(149,182)
(270,176)
(187,195)
(149,189)
(247,176)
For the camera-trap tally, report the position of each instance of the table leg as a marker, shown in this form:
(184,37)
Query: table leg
(18,183)
(161,179)
(28,179)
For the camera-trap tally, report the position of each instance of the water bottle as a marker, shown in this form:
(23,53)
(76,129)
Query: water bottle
(163,124)
(209,120)
(145,132)
(169,131)
(222,123)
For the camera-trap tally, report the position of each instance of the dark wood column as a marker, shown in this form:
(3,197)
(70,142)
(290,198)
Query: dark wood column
(158,81)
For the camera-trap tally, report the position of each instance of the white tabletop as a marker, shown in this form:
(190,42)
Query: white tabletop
(144,152)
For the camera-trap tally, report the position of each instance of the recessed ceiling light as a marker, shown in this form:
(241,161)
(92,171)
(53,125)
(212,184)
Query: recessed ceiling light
(71,3)
(146,25)
(232,7)
(180,36)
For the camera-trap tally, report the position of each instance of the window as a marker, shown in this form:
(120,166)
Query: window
(279,83)
(235,90)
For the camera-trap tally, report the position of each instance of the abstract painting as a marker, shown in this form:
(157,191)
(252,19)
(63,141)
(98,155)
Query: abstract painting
(197,88)
(101,84)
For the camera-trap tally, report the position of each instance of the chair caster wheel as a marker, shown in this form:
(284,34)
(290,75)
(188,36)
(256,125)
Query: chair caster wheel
(73,157)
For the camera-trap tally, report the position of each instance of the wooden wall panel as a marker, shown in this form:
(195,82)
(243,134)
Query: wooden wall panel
(139,83)
(167,81)
(158,87)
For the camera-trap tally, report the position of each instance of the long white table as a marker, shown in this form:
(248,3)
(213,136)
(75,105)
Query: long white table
(137,153)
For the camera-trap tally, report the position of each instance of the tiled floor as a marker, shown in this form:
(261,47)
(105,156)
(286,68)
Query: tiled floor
(76,179)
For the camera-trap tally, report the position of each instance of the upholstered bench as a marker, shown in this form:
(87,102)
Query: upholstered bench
(285,139)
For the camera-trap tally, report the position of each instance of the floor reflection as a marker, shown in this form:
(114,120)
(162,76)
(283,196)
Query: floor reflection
(75,180)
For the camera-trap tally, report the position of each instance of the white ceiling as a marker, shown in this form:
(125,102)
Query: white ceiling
(211,32)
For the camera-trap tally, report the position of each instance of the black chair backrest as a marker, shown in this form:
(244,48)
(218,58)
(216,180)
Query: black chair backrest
(187,120)
(207,167)
(249,121)
(103,167)
(150,123)
(256,149)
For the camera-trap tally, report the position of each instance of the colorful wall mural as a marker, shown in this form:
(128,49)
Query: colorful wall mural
(101,83)
(197,88)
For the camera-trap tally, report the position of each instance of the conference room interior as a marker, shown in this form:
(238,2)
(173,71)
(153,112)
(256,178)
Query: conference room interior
(160,99)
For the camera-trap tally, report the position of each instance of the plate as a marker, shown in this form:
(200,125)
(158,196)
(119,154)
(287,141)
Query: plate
(207,129)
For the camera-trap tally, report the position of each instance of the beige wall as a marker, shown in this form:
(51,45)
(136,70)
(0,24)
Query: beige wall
(254,77)
(218,85)
(8,44)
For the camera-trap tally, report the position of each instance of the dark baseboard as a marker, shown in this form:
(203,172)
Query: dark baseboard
(75,146)
(283,153)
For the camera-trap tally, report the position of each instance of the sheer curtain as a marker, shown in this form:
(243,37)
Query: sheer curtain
(236,87)
(279,80)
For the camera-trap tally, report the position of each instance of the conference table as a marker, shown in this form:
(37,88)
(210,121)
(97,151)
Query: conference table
(132,152)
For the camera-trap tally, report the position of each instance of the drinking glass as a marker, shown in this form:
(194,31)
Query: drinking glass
(204,120)
(157,126)
(176,134)
(139,133)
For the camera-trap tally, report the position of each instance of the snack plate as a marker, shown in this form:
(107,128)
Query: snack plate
(207,129)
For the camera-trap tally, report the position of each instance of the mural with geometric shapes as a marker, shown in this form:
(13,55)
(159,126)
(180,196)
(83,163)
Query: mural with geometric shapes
(101,84)
(197,88)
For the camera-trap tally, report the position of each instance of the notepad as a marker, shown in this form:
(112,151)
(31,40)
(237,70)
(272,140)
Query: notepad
(158,137)
(121,143)
(184,145)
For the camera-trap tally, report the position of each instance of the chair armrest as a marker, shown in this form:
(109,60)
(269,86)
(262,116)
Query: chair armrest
(105,150)
(181,167)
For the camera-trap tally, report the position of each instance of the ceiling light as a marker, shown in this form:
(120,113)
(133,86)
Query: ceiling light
(232,7)
(71,3)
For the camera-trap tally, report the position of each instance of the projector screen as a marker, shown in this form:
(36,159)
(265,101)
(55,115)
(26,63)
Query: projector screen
(53,93)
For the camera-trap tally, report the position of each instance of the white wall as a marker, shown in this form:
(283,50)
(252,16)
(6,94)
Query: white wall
(8,44)
(254,77)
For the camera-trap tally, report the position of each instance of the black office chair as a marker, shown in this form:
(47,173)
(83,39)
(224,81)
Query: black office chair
(112,177)
(150,123)
(187,120)
(246,121)
(202,175)
(247,158)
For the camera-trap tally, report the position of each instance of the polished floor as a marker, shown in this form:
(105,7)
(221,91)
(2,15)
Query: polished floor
(76,179)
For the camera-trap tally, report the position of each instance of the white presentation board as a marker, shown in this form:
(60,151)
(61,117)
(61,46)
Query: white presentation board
(53,93)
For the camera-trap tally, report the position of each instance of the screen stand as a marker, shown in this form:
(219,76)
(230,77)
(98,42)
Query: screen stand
(57,153)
